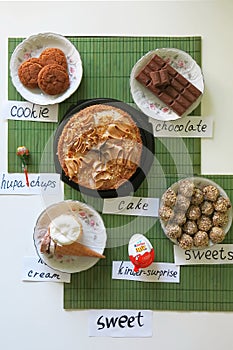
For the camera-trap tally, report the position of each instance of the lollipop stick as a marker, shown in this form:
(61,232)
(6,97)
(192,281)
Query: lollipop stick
(23,154)
(26,176)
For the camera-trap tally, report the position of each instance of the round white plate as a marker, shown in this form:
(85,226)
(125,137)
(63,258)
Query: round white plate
(200,182)
(94,235)
(150,104)
(32,47)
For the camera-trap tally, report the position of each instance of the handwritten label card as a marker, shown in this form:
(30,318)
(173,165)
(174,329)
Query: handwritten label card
(20,110)
(34,269)
(120,323)
(38,183)
(156,272)
(217,254)
(131,206)
(184,127)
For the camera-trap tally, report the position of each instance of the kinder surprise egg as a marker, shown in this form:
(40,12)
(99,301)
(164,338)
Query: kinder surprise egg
(141,252)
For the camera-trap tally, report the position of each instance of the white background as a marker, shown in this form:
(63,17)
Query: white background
(31,314)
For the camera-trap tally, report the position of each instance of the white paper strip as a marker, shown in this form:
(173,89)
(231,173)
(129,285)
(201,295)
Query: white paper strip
(217,254)
(156,272)
(131,206)
(35,270)
(120,323)
(44,183)
(184,127)
(20,110)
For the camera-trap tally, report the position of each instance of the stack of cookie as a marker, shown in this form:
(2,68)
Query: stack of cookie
(48,72)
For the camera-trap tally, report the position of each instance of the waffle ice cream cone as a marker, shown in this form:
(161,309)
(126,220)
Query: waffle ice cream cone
(73,249)
(76,249)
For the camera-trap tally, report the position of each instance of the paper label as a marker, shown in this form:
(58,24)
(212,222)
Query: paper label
(20,110)
(156,272)
(217,254)
(34,269)
(184,127)
(38,183)
(131,206)
(120,323)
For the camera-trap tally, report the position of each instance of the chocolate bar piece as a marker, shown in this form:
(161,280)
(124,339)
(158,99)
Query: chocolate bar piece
(168,85)
(160,78)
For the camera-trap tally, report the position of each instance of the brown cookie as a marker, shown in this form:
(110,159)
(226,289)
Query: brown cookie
(28,72)
(53,55)
(53,79)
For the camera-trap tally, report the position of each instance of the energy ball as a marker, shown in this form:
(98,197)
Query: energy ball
(193,212)
(179,218)
(217,234)
(219,219)
(186,188)
(222,204)
(207,208)
(169,198)
(211,193)
(204,223)
(182,203)
(197,197)
(173,231)
(201,239)
(190,227)
(185,241)
(166,213)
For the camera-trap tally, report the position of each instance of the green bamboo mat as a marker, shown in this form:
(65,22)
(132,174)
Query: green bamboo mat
(201,287)
(107,63)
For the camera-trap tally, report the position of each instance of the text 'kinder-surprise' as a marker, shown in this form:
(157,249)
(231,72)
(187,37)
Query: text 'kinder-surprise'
(156,272)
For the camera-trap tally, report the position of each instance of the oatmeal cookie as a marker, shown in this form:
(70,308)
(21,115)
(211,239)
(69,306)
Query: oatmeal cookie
(53,55)
(28,72)
(53,79)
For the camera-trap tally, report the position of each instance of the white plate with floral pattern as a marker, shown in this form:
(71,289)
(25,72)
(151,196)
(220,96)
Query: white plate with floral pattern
(94,235)
(146,101)
(32,47)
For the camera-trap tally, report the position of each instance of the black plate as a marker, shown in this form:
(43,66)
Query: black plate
(147,150)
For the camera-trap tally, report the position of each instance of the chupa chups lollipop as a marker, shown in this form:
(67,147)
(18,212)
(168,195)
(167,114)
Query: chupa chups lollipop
(141,252)
(23,154)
